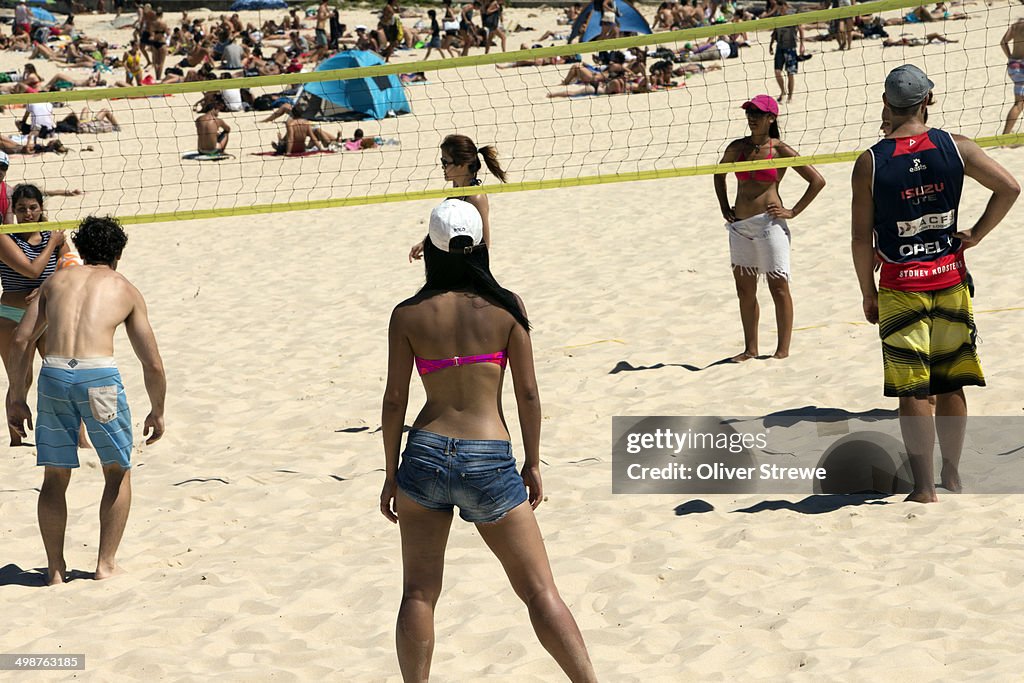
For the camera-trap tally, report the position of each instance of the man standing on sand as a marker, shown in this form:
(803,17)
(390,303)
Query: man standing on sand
(906,197)
(80,308)
(323,15)
(785,40)
(1015,70)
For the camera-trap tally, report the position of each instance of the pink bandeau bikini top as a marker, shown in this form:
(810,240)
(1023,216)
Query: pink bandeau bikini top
(425,366)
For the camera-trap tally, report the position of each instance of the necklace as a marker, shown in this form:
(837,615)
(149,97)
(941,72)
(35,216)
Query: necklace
(757,146)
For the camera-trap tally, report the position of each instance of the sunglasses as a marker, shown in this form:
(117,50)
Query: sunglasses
(445,163)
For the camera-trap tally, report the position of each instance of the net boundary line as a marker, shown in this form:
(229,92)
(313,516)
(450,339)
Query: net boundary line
(754,26)
(526,186)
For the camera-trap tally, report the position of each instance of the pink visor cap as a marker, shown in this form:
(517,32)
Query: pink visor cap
(765,103)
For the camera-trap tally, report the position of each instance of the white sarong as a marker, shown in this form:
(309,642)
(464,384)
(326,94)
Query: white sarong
(759,245)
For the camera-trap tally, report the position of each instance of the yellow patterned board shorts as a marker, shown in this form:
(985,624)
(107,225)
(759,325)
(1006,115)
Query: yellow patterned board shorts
(929,341)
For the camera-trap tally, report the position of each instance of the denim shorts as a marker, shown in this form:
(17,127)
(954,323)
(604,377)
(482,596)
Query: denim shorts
(479,476)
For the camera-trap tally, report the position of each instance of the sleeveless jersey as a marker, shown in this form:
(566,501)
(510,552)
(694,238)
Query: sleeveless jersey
(916,186)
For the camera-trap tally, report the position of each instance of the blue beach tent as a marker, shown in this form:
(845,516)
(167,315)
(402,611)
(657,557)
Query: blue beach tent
(43,16)
(588,23)
(356,98)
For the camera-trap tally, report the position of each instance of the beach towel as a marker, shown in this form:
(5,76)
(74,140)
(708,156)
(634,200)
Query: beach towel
(307,153)
(759,245)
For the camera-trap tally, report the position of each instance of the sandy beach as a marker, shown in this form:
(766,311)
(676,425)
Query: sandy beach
(255,548)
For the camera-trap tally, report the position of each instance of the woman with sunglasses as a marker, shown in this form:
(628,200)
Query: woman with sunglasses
(460,331)
(758,233)
(460,162)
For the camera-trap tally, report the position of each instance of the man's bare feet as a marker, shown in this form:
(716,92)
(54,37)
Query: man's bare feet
(780,354)
(746,355)
(55,575)
(922,497)
(105,571)
(781,95)
(950,478)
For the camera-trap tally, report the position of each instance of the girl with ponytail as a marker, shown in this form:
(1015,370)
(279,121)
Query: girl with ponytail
(461,165)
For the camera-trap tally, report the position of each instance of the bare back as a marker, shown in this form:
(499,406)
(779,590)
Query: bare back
(207,127)
(462,401)
(83,306)
(1015,35)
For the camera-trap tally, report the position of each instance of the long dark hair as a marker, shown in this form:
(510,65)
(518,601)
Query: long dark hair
(464,152)
(460,272)
(773,130)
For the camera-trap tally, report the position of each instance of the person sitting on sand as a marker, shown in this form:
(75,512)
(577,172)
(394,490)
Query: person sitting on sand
(299,136)
(661,75)
(212,132)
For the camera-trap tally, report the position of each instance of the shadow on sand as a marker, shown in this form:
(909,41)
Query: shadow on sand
(13,575)
(623,366)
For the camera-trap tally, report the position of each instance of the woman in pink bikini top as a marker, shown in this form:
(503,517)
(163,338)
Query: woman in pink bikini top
(758,233)
(460,331)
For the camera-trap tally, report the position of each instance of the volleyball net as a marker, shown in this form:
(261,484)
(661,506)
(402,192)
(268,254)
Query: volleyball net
(555,117)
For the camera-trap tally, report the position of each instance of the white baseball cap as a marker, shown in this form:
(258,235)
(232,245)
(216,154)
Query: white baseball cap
(455,218)
(5,160)
(360,27)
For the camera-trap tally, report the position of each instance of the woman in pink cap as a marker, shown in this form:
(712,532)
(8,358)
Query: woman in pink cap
(758,234)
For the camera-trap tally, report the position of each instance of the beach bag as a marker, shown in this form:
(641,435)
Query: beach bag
(264,102)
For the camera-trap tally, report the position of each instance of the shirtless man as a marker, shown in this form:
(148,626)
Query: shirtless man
(323,14)
(211,130)
(1015,70)
(298,135)
(80,308)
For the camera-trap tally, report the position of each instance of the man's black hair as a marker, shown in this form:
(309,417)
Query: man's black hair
(99,240)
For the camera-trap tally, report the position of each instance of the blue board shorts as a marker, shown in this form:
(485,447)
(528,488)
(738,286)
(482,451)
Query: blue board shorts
(478,476)
(87,390)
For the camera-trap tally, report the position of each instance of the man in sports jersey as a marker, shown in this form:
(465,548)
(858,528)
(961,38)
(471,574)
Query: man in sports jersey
(906,197)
